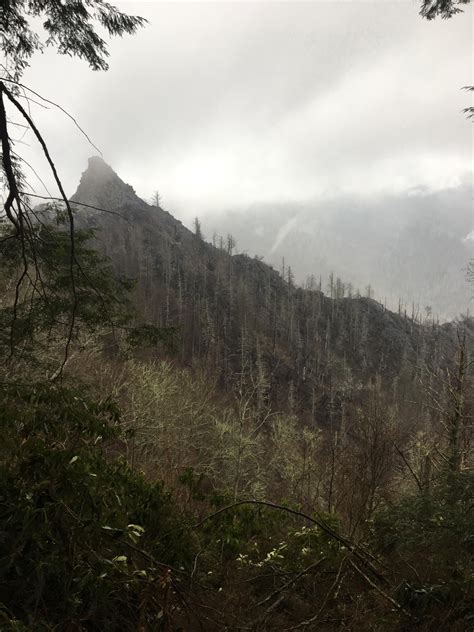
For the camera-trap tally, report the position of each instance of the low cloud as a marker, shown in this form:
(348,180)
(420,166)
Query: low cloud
(229,104)
(282,233)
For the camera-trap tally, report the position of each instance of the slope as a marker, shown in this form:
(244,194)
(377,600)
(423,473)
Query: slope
(239,316)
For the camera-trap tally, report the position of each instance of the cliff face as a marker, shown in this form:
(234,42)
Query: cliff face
(235,312)
(132,233)
(100,186)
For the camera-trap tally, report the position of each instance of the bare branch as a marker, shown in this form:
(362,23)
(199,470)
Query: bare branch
(21,85)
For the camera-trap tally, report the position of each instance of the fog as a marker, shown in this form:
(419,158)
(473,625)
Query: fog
(240,103)
(411,248)
(225,107)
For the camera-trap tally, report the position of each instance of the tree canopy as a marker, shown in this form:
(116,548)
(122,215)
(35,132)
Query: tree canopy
(431,9)
(69,26)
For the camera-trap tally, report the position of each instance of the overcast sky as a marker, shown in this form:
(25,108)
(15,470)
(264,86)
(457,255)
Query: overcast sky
(218,105)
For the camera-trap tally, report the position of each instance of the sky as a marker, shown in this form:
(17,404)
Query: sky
(220,105)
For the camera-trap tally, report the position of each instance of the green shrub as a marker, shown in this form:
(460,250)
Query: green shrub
(428,540)
(80,532)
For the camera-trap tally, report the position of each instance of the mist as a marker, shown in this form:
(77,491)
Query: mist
(408,250)
(286,124)
(227,104)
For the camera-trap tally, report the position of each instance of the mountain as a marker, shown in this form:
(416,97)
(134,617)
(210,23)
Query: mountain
(237,315)
(411,247)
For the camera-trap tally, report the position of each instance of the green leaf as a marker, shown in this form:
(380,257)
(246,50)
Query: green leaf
(119,558)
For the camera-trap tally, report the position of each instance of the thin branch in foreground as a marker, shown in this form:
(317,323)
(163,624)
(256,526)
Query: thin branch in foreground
(13,193)
(35,173)
(56,199)
(21,85)
(380,591)
(280,593)
(355,549)
(314,618)
(72,260)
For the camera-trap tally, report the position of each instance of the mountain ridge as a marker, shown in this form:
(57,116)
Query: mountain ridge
(408,246)
(234,311)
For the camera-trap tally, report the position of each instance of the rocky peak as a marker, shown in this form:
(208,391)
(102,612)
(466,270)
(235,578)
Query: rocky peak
(100,186)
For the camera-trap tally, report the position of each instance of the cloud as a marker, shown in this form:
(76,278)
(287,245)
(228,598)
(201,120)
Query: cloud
(228,104)
(282,233)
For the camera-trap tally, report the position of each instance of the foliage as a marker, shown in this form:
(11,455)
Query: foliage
(40,285)
(428,539)
(431,9)
(70,27)
(298,548)
(89,540)
(80,538)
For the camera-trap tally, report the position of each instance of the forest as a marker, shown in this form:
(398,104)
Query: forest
(192,440)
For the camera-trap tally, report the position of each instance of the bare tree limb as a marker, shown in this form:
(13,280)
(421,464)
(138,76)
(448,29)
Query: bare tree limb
(355,549)
(21,85)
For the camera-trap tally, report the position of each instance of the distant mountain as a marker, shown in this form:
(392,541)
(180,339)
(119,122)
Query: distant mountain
(412,248)
(237,314)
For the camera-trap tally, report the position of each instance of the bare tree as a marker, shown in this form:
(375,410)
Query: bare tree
(156,199)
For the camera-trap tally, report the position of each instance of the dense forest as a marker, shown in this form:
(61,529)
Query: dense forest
(191,440)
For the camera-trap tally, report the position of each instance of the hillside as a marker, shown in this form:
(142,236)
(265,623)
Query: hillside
(411,247)
(233,311)
(303,462)
(261,419)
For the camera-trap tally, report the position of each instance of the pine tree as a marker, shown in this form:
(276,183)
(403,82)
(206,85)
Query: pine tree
(197,228)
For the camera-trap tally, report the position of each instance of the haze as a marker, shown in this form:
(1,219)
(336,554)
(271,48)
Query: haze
(252,107)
